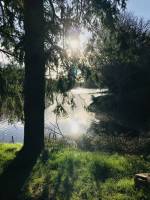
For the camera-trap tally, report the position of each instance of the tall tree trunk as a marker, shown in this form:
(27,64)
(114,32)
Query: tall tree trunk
(34,87)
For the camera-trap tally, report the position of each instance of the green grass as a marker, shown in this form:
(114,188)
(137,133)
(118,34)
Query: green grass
(71,174)
(7,154)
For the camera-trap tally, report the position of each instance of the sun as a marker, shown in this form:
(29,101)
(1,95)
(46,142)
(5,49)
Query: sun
(74,44)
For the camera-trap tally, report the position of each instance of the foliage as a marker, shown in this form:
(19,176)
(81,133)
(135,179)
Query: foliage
(11,92)
(121,64)
(127,53)
(96,140)
(123,52)
(60,18)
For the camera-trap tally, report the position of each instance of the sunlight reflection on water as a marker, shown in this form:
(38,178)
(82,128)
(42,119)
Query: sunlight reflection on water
(74,125)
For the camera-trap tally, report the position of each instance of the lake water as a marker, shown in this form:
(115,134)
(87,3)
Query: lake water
(73,125)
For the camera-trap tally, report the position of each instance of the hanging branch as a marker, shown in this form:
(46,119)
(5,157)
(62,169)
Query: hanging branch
(53,10)
(58,126)
(2,10)
(6,52)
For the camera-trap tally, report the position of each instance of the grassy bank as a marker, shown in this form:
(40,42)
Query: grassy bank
(72,174)
(7,154)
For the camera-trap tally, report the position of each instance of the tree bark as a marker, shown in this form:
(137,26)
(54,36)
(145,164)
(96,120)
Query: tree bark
(34,86)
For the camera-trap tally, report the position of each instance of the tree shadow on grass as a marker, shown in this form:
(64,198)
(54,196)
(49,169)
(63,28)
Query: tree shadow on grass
(100,171)
(15,174)
(62,186)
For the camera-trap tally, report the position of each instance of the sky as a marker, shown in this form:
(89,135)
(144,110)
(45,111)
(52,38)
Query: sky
(140,8)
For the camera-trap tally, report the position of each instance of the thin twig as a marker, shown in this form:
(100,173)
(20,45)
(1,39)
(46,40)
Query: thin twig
(6,52)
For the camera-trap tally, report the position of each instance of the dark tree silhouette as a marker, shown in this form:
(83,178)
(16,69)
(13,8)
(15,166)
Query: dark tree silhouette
(34,75)
(121,65)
